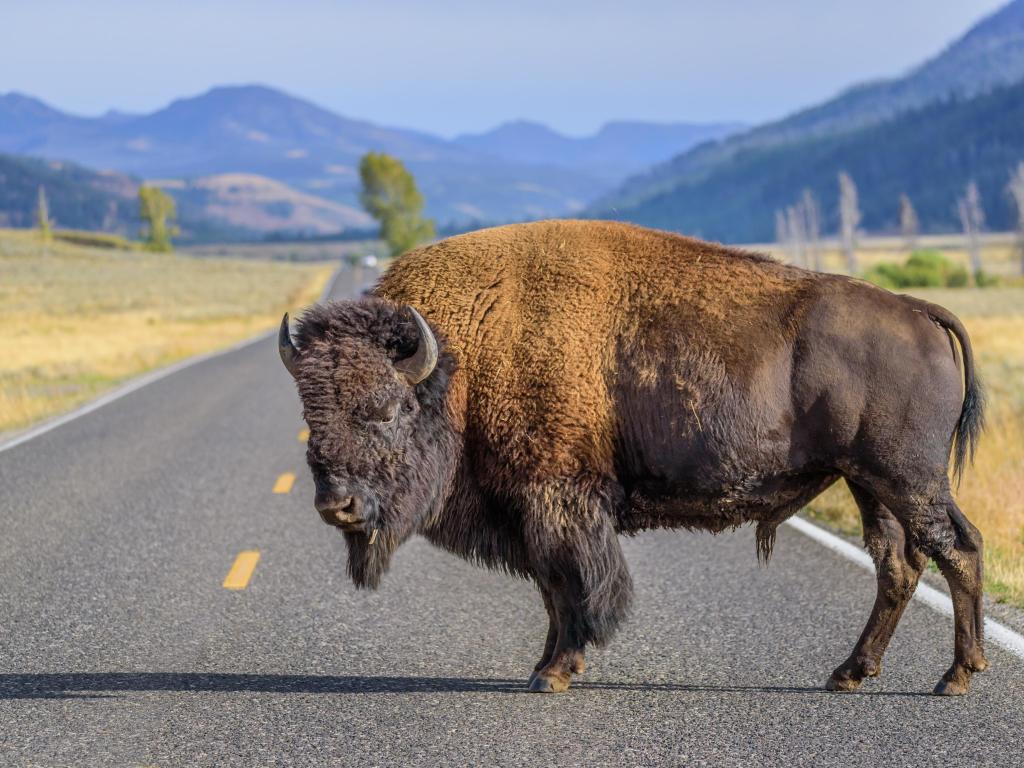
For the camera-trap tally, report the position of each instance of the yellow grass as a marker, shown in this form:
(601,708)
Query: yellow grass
(76,320)
(992,493)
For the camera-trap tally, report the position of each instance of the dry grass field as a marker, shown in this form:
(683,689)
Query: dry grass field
(77,321)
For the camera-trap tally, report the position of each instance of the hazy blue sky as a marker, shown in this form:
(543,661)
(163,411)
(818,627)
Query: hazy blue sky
(450,66)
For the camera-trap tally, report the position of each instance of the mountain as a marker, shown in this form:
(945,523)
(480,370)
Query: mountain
(262,131)
(989,55)
(616,150)
(929,153)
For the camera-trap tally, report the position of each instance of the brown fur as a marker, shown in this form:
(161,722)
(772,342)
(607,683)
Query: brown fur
(608,379)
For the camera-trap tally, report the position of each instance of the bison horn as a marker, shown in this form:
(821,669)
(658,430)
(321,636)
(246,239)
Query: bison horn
(289,354)
(421,364)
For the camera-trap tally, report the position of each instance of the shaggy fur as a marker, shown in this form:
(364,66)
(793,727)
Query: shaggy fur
(598,378)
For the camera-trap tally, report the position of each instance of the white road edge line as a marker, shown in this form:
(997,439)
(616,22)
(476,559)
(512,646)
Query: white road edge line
(994,631)
(145,380)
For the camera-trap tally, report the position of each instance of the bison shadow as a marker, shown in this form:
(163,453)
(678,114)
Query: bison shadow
(105,684)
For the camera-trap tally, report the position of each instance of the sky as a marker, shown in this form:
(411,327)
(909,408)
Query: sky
(454,66)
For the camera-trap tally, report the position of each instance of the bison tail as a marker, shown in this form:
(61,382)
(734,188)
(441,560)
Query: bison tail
(972,414)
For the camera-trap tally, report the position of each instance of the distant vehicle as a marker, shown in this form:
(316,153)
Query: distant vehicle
(369,260)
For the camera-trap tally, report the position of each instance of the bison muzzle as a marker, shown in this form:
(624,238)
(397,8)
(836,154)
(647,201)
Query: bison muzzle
(521,396)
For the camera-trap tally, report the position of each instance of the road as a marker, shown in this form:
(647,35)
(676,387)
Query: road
(120,646)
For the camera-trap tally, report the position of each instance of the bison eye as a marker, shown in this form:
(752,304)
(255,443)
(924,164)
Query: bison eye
(387,413)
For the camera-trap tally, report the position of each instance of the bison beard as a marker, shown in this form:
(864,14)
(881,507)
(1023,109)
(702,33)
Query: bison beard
(367,562)
(590,379)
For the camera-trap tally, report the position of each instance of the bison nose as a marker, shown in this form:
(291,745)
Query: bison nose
(336,506)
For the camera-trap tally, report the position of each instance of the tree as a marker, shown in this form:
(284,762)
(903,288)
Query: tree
(908,224)
(43,216)
(795,226)
(781,229)
(972,219)
(1016,190)
(849,219)
(812,228)
(157,210)
(390,195)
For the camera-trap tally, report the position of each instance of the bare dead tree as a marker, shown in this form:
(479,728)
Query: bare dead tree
(812,228)
(1016,190)
(908,224)
(849,219)
(795,225)
(782,232)
(972,219)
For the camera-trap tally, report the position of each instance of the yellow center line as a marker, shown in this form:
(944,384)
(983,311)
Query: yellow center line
(303,435)
(284,483)
(240,573)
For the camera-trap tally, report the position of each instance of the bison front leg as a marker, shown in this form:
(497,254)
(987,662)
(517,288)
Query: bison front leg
(552,638)
(578,563)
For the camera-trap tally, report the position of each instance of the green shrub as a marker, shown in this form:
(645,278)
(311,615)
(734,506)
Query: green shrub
(983,279)
(923,269)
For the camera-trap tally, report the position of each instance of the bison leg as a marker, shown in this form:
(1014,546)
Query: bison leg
(941,531)
(576,559)
(552,638)
(898,567)
(567,656)
(961,565)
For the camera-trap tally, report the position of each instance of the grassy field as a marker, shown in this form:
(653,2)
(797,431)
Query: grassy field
(992,492)
(77,320)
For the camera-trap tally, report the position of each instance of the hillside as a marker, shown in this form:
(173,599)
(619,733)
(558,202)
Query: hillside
(262,131)
(224,206)
(247,205)
(989,55)
(78,198)
(929,154)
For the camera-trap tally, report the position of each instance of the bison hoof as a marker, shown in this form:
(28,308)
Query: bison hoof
(841,684)
(950,688)
(540,683)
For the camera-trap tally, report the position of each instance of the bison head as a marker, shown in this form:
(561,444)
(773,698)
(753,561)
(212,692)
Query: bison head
(373,378)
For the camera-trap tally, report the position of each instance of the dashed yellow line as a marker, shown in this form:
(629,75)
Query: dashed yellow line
(284,483)
(303,435)
(240,573)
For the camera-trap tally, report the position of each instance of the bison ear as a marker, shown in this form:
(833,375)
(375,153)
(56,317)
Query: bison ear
(289,354)
(422,362)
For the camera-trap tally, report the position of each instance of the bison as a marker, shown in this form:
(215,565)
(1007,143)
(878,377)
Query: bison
(522,395)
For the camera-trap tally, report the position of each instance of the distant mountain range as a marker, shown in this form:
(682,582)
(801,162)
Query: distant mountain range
(966,127)
(615,151)
(259,131)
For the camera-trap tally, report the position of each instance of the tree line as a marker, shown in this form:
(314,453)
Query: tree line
(798,226)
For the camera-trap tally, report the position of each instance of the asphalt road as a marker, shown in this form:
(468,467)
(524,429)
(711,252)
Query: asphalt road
(120,646)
